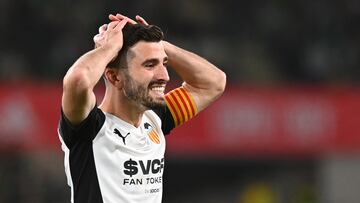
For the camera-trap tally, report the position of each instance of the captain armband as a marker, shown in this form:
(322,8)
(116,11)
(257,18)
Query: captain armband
(181,105)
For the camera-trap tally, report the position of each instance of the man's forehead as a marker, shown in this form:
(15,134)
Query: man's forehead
(143,50)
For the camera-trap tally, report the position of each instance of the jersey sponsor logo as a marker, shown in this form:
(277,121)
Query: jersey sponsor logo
(154,137)
(152,190)
(116,131)
(144,167)
(133,167)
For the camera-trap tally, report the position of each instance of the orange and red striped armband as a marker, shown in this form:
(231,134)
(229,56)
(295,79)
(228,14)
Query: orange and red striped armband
(181,105)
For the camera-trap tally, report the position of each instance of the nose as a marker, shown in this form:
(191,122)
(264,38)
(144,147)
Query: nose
(162,73)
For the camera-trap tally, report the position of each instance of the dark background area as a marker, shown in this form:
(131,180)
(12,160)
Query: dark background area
(256,42)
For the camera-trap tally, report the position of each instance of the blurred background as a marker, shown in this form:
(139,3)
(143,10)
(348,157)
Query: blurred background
(287,129)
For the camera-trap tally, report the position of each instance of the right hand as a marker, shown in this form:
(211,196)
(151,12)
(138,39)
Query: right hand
(110,35)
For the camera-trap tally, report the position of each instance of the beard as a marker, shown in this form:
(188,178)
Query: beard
(140,93)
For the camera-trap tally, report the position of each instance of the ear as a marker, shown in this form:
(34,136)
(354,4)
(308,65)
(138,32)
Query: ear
(114,76)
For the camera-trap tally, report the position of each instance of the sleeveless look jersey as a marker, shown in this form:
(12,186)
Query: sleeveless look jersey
(109,160)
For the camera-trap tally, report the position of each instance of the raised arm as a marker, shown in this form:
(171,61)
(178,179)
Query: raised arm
(204,81)
(78,97)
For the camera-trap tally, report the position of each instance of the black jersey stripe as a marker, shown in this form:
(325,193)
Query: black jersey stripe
(78,140)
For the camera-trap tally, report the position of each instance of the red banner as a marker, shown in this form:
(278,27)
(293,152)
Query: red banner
(244,122)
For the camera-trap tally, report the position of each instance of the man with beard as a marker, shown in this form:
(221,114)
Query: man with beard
(114,152)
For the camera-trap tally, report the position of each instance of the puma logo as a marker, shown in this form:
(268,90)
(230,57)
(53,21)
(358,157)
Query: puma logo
(116,131)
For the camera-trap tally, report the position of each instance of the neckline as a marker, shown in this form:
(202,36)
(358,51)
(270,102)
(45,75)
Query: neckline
(126,124)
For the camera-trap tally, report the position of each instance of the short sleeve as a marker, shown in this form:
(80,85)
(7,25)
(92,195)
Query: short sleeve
(167,121)
(85,131)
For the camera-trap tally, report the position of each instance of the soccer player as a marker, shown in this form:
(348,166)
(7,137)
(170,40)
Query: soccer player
(114,151)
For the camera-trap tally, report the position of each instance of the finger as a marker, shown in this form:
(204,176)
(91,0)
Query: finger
(114,18)
(112,25)
(141,20)
(121,24)
(125,17)
(120,16)
(102,28)
(97,37)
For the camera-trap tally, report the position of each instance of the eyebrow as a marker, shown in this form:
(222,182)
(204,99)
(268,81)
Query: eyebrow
(154,60)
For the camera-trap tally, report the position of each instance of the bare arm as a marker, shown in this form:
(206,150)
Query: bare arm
(204,81)
(78,97)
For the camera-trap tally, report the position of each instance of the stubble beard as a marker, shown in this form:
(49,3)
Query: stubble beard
(140,94)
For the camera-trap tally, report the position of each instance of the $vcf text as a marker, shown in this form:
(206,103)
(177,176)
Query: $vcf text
(143,167)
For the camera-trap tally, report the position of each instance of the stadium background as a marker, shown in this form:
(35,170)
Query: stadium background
(286,130)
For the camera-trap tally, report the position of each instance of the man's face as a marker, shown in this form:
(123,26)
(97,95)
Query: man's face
(146,76)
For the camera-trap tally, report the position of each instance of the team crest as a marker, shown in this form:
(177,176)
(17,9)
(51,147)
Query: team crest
(153,136)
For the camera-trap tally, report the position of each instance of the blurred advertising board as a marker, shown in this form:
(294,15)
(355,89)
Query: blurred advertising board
(306,120)
(246,121)
(29,113)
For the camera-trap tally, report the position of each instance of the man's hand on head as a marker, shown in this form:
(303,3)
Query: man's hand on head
(110,35)
(100,38)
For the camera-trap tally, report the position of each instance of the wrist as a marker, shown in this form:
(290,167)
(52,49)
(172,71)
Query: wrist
(108,51)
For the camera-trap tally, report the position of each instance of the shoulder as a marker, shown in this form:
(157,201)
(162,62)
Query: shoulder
(86,130)
(153,117)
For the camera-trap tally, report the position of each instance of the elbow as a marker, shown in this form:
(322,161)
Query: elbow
(217,85)
(220,83)
(76,80)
